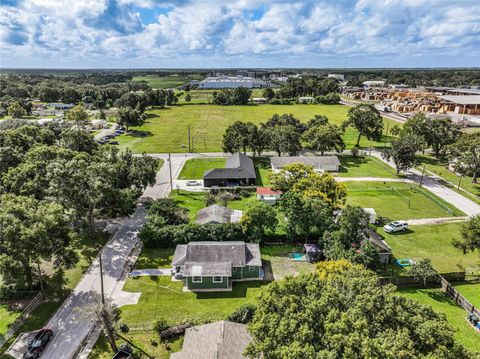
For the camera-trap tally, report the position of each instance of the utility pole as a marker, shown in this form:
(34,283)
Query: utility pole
(188,127)
(170,171)
(386,136)
(421,178)
(41,280)
(101,277)
(459,182)
(193,146)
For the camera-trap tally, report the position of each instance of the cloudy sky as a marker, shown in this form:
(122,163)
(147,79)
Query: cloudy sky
(239,33)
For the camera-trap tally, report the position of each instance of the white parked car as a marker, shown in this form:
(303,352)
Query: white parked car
(397,226)
(193,183)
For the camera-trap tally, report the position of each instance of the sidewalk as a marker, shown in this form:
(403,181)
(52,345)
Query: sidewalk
(433,184)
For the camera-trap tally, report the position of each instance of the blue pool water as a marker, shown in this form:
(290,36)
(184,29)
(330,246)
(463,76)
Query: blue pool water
(297,256)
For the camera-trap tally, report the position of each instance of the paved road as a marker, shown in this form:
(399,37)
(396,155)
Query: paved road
(433,184)
(74,320)
(105,131)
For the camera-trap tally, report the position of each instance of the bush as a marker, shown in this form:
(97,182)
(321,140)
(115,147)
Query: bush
(160,325)
(355,150)
(243,314)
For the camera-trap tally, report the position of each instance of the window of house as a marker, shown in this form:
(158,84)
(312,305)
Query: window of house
(251,269)
(197,279)
(217,279)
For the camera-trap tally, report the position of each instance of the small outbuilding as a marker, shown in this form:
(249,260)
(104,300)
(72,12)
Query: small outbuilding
(319,163)
(98,124)
(312,252)
(306,99)
(268,195)
(371,214)
(384,250)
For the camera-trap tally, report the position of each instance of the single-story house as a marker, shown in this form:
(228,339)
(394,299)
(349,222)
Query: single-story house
(268,195)
(306,99)
(319,163)
(383,248)
(238,171)
(219,340)
(372,215)
(98,124)
(312,252)
(216,214)
(213,266)
(61,106)
(259,100)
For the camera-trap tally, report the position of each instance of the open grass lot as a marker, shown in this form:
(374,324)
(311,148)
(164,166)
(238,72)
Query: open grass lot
(196,167)
(275,259)
(166,129)
(7,317)
(206,96)
(194,201)
(471,291)
(434,242)
(440,167)
(365,166)
(393,200)
(164,82)
(455,314)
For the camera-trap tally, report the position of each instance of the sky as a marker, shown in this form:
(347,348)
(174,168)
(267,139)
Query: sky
(239,33)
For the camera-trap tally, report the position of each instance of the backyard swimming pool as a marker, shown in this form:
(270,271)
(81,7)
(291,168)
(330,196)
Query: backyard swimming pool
(297,257)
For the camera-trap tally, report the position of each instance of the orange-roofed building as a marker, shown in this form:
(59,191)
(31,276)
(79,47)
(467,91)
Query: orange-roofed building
(268,195)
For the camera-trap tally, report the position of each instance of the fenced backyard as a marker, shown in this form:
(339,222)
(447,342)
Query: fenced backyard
(450,290)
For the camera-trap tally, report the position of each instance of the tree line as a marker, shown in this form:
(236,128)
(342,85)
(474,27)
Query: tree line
(56,180)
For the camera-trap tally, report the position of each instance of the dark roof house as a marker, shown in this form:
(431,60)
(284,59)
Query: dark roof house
(238,171)
(219,340)
(209,266)
(216,214)
(383,248)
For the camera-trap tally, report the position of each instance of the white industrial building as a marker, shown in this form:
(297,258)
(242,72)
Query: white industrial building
(373,83)
(218,82)
(339,77)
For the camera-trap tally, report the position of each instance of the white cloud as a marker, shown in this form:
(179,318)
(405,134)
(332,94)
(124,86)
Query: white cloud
(110,31)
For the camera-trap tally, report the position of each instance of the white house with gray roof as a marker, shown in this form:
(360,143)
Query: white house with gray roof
(216,214)
(213,266)
(319,163)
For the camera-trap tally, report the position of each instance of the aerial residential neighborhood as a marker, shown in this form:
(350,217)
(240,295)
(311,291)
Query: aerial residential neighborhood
(251,179)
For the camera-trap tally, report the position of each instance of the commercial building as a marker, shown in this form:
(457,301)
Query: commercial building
(222,81)
(339,77)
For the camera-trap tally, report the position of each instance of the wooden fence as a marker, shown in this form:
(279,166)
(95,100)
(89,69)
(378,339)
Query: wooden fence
(401,281)
(450,290)
(21,319)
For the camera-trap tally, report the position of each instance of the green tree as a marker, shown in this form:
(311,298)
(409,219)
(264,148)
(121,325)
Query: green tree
(367,120)
(423,271)
(289,175)
(16,110)
(166,211)
(285,139)
(465,154)
(403,152)
(346,314)
(323,186)
(324,138)
(188,98)
(317,120)
(236,137)
(441,132)
(128,116)
(259,221)
(78,139)
(268,93)
(470,232)
(32,231)
(78,115)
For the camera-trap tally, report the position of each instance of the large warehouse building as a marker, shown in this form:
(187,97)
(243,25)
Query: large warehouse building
(219,82)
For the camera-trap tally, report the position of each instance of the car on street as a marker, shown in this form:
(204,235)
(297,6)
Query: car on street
(193,183)
(397,226)
(38,344)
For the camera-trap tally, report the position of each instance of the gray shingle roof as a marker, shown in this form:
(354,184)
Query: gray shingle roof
(219,340)
(237,166)
(237,253)
(315,161)
(214,214)
(378,242)
(223,269)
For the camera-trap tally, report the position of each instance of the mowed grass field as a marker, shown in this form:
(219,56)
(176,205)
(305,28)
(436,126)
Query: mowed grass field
(196,167)
(433,242)
(166,130)
(455,315)
(397,200)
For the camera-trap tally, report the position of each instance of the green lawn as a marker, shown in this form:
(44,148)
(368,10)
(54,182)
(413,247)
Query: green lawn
(206,96)
(394,201)
(195,201)
(365,166)
(275,258)
(455,314)
(440,167)
(166,129)
(196,167)
(164,82)
(471,291)
(7,317)
(434,242)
